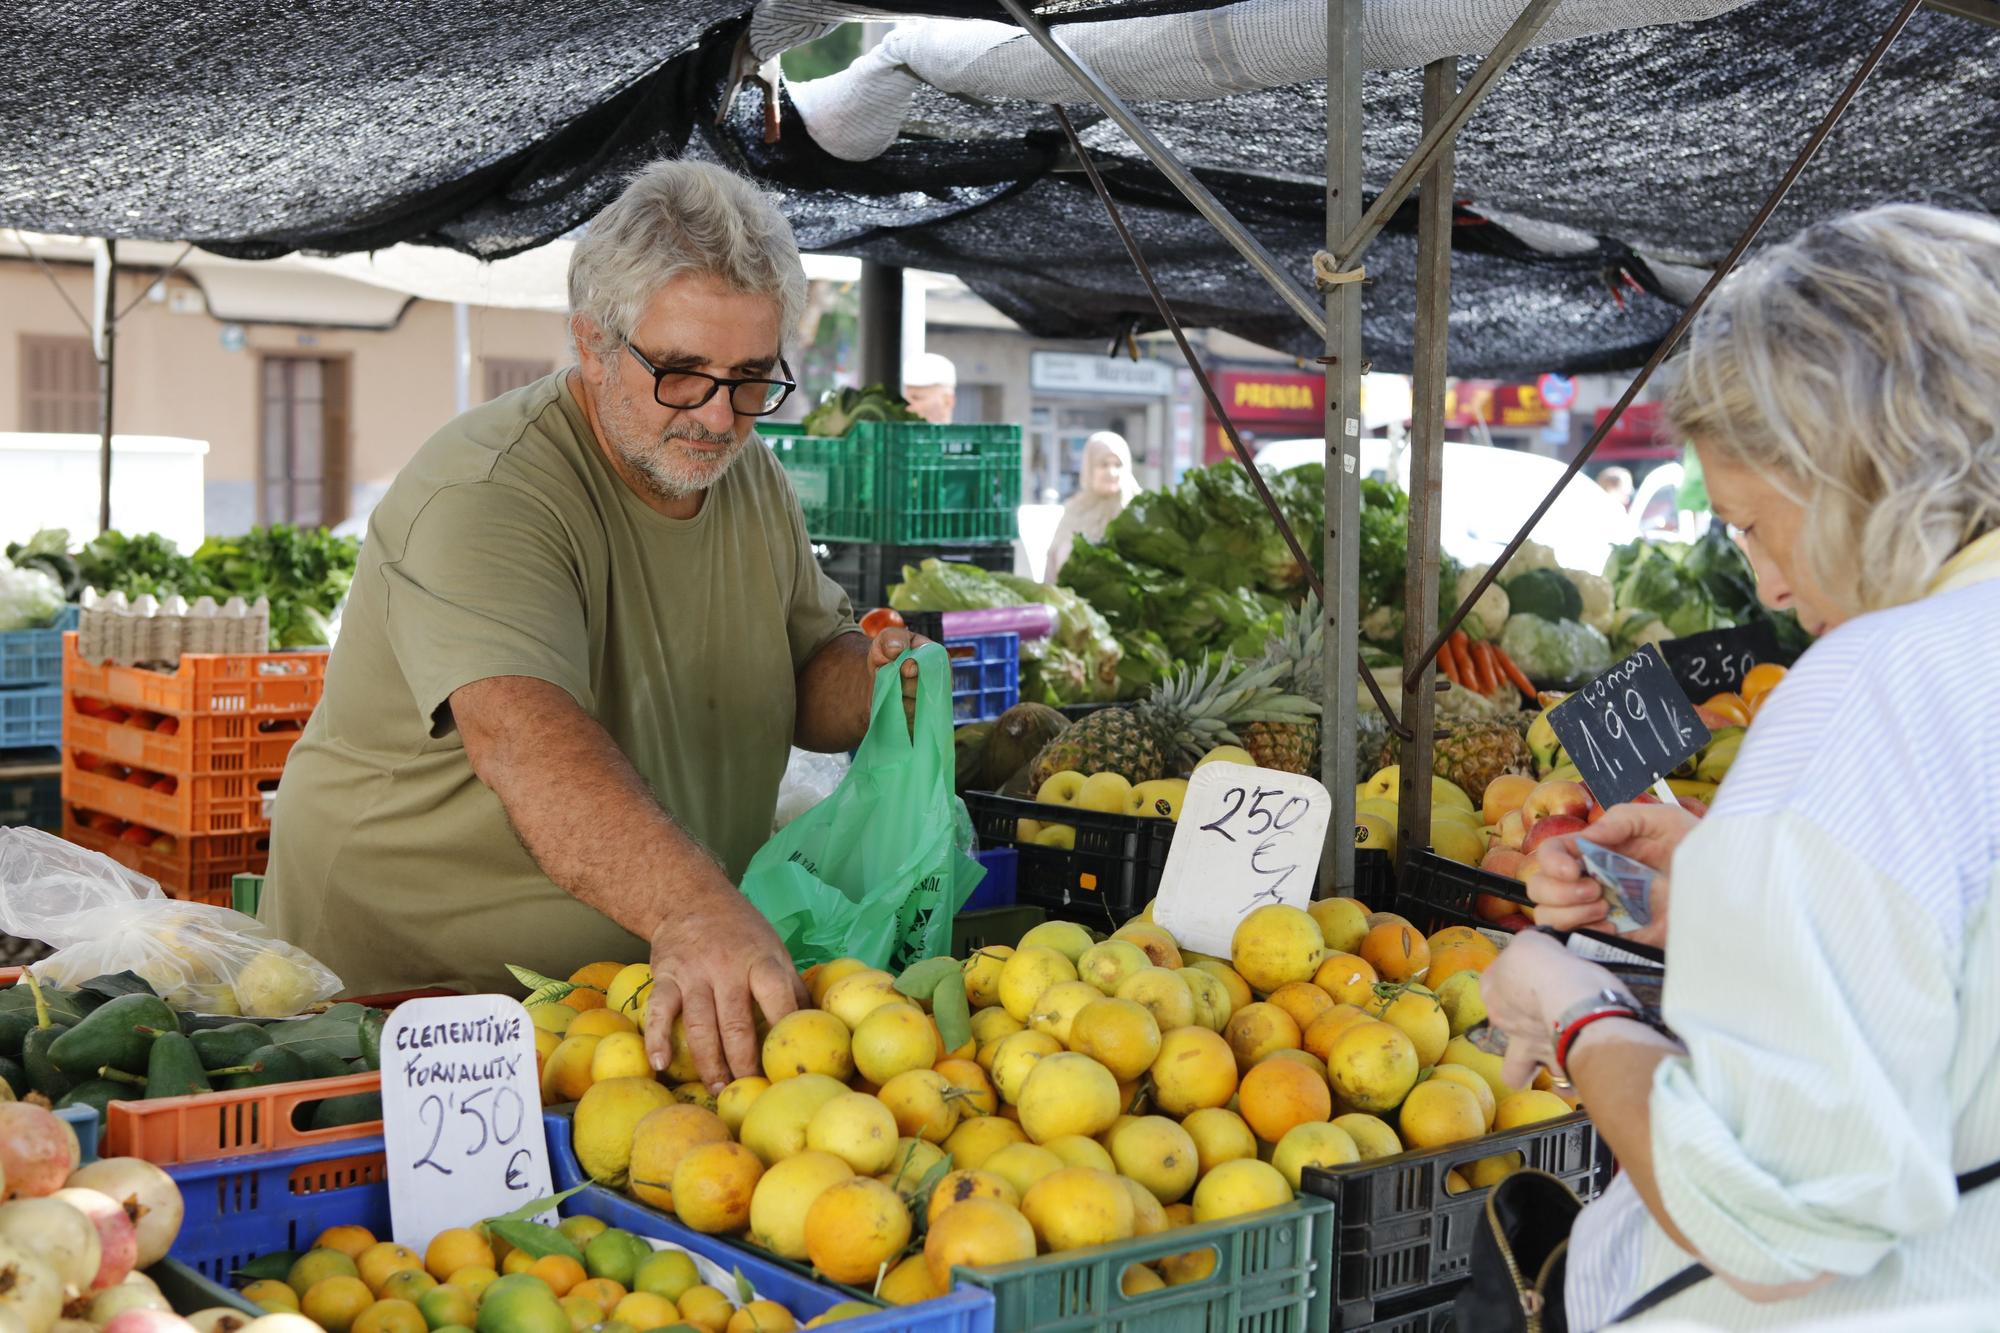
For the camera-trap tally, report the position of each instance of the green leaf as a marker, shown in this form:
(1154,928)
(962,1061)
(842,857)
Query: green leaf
(267,1267)
(528,1212)
(745,1293)
(538,1240)
(541,989)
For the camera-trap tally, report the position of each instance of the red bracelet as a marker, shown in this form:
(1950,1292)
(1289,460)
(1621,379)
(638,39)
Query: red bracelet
(1567,1037)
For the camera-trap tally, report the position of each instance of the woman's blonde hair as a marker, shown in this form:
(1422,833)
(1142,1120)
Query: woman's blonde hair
(1857,365)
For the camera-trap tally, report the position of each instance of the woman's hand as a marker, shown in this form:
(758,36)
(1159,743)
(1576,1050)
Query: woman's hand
(1566,898)
(1526,989)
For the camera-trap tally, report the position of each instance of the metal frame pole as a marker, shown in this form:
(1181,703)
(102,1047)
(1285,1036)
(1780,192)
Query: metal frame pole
(881,299)
(1205,203)
(1339,715)
(107,365)
(1420,585)
(1441,130)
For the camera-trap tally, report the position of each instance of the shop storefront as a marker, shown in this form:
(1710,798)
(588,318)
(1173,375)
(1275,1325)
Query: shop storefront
(1077,394)
(1265,406)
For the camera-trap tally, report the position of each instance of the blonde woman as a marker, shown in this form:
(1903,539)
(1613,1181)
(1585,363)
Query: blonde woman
(1104,487)
(1813,1123)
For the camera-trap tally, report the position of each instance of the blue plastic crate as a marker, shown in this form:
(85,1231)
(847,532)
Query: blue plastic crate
(31,717)
(957,1312)
(1003,869)
(241,1207)
(985,676)
(83,1119)
(34,656)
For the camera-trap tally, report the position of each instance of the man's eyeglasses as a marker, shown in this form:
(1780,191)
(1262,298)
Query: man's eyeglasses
(683,389)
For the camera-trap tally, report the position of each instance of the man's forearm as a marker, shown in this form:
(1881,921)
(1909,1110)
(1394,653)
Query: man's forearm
(836,692)
(576,802)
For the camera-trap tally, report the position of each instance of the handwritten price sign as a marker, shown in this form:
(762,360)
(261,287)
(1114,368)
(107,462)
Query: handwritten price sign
(461,1113)
(1709,664)
(1247,837)
(1628,728)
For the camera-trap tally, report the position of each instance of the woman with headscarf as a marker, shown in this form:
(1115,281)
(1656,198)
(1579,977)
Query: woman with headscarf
(1106,485)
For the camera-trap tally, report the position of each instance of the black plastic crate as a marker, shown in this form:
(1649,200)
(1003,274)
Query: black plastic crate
(1105,881)
(33,801)
(1435,892)
(1429,1313)
(1375,879)
(866,571)
(973,931)
(1402,1237)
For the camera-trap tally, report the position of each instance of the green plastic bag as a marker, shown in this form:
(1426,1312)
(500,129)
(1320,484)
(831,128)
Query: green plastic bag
(877,870)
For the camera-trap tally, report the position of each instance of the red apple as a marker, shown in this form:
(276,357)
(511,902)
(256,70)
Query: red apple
(1517,922)
(1552,826)
(1487,907)
(1555,798)
(1713,720)
(1505,862)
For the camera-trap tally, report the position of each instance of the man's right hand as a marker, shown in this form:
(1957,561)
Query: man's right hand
(716,962)
(1566,898)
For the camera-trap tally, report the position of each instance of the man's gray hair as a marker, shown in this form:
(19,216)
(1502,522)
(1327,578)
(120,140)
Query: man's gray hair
(684,217)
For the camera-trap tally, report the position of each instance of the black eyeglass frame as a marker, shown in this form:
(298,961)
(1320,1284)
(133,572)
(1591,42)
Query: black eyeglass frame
(784,386)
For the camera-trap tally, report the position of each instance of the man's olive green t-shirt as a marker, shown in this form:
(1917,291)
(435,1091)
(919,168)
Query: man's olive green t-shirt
(509,547)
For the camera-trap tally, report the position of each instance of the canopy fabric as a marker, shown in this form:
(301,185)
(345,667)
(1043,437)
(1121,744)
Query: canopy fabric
(1595,185)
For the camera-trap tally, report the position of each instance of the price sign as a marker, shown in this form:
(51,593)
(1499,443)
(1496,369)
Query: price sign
(1628,728)
(1247,837)
(1714,663)
(461,1113)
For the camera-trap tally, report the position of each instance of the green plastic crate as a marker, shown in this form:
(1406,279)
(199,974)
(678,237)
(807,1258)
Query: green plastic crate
(245,891)
(904,482)
(1273,1274)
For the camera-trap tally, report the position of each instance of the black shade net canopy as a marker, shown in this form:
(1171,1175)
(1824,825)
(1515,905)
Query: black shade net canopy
(1593,185)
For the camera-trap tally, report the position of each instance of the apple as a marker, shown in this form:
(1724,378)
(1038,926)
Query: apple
(1026,830)
(1228,754)
(1488,907)
(1061,788)
(1555,798)
(1159,799)
(1057,835)
(1551,826)
(1507,862)
(1516,922)
(1511,830)
(1506,792)
(1106,793)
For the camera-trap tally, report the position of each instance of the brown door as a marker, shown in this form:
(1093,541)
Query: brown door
(302,464)
(59,386)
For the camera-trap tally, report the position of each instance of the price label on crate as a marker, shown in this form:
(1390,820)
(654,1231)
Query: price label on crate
(1628,728)
(1247,837)
(461,1113)
(1709,664)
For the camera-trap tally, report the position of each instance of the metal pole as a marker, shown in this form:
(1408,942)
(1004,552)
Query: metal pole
(461,358)
(1339,719)
(1667,344)
(881,324)
(1161,156)
(1420,587)
(107,354)
(1441,132)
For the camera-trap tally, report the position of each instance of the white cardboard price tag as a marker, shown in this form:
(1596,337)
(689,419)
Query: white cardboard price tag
(461,1114)
(1247,837)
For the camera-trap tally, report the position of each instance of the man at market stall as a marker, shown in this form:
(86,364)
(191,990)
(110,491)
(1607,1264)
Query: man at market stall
(930,387)
(586,630)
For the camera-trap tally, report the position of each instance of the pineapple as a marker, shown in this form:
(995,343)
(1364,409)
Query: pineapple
(1298,651)
(1471,754)
(1191,712)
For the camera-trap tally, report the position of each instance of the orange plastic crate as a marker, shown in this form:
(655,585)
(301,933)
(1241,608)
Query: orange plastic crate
(196,870)
(209,1125)
(218,743)
(197,807)
(254,683)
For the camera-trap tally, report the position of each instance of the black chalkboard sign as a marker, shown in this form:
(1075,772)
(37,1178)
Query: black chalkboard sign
(1705,665)
(1629,727)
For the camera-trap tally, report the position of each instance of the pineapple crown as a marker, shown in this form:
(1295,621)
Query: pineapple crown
(1196,708)
(1299,648)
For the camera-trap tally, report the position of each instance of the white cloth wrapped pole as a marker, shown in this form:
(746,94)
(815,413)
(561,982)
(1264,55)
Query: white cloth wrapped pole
(857,113)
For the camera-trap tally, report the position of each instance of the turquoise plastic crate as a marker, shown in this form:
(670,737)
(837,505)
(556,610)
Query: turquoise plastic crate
(34,656)
(31,717)
(904,482)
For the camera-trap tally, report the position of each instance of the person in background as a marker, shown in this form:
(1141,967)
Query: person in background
(930,386)
(1617,483)
(1814,1114)
(1105,487)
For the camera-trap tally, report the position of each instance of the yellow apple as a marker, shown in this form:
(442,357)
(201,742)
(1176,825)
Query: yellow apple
(1383,810)
(1061,788)
(1228,754)
(1107,793)
(1375,831)
(1385,783)
(1148,798)
(1026,829)
(1057,835)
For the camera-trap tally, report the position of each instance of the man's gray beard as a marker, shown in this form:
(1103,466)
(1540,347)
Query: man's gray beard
(652,460)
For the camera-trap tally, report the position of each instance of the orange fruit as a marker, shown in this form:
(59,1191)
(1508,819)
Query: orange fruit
(1195,1069)
(1256,1030)
(460,1247)
(1302,1000)
(1759,681)
(713,1185)
(975,1094)
(602,1290)
(382,1260)
(1396,952)
(1335,1019)
(761,1317)
(1348,978)
(974,1233)
(1729,705)
(855,1230)
(560,1271)
(958,1186)
(350,1241)
(661,1138)
(1279,1094)
(1119,1034)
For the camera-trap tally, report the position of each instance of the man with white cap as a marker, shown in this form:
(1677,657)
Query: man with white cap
(930,384)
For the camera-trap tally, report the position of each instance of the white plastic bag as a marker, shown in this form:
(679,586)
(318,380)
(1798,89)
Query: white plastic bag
(809,779)
(102,918)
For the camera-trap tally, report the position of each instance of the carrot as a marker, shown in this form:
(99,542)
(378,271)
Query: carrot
(1515,675)
(1446,667)
(1462,655)
(1482,662)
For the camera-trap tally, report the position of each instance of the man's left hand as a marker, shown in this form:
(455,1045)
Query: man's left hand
(889,645)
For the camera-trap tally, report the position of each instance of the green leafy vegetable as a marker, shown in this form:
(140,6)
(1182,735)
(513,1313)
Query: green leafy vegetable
(1545,593)
(840,409)
(1555,652)
(303,573)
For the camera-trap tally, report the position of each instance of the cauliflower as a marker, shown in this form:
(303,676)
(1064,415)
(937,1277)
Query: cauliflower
(1555,652)
(1489,614)
(1597,599)
(1383,625)
(1532,555)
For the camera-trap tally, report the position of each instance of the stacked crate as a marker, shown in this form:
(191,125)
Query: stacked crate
(31,686)
(167,772)
(887,494)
